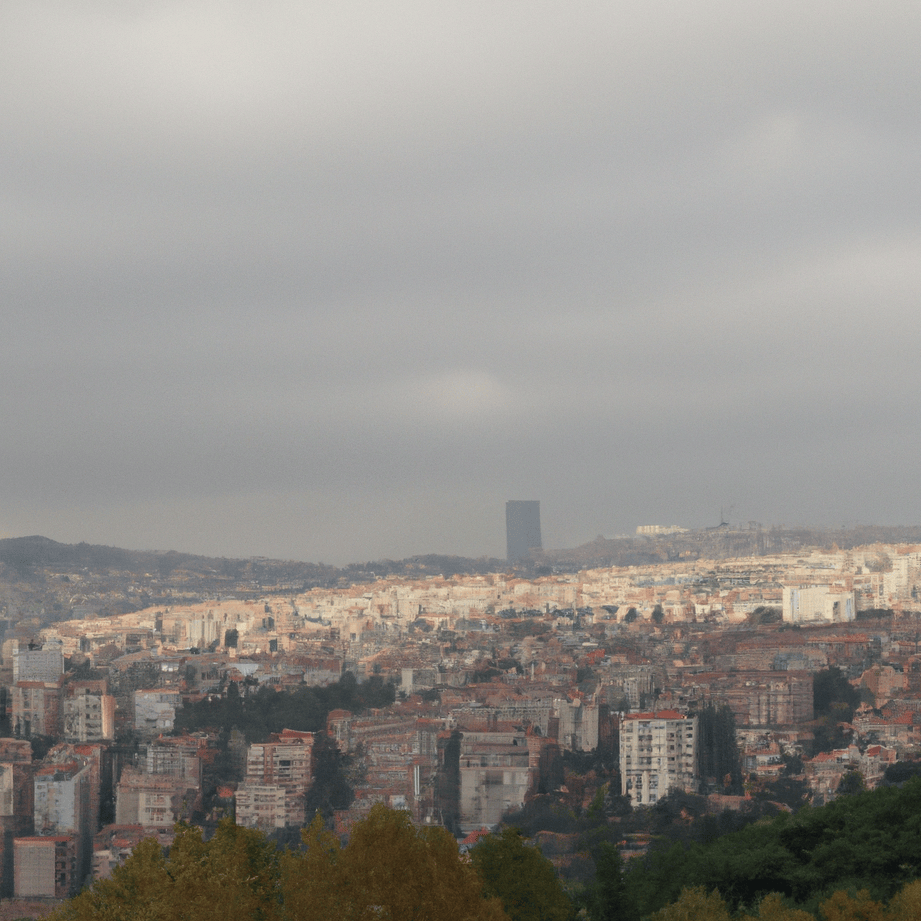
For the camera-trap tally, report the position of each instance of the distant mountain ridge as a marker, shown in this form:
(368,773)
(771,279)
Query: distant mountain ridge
(42,551)
(25,555)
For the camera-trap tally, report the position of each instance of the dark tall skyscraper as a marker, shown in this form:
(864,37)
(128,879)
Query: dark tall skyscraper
(522,528)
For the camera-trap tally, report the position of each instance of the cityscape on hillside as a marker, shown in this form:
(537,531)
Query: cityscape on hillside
(139,690)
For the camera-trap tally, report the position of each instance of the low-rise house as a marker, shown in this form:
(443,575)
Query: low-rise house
(45,867)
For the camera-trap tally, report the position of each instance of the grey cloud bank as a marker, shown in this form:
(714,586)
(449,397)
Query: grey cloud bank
(334,284)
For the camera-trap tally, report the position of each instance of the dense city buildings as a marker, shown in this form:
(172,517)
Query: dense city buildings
(497,685)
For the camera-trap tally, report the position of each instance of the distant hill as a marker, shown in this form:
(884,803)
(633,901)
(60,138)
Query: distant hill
(26,557)
(722,542)
(29,556)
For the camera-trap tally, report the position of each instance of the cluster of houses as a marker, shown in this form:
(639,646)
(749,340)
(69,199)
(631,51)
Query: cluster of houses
(495,678)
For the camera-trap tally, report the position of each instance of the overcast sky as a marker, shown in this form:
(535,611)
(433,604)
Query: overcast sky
(333,281)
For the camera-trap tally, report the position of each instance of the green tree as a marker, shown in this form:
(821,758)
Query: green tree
(720,762)
(330,790)
(833,694)
(523,880)
(608,899)
(851,783)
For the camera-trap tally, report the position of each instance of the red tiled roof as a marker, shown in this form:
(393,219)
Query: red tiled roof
(657,715)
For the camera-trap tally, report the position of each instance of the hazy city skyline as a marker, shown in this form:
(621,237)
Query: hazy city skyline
(335,283)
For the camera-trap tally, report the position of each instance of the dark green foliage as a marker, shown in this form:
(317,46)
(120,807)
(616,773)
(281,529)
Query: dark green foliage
(720,764)
(764,614)
(675,808)
(608,899)
(263,711)
(901,772)
(874,613)
(601,760)
(865,841)
(829,735)
(786,790)
(41,745)
(833,694)
(330,790)
(523,880)
(851,783)
(544,814)
(525,628)
(834,701)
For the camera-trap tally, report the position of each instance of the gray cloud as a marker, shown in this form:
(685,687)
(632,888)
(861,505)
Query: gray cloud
(334,283)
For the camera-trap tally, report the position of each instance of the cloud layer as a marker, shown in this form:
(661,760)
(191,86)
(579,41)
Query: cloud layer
(333,283)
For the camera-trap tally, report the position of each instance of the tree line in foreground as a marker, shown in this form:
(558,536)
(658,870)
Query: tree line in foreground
(388,870)
(869,842)
(859,857)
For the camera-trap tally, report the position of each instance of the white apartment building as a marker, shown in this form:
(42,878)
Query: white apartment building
(818,604)
(45,663)
(269,806)
(658,753)
(89,716)
(155,710)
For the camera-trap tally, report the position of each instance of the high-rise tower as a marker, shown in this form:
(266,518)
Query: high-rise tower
(522,528)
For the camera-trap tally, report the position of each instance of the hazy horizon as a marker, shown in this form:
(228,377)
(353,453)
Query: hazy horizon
(334,283)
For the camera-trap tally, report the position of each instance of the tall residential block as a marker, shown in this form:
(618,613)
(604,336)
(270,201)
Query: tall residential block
(89,712)
(522,528)
(658,753)
(38,663)
(278,773)
(496,774)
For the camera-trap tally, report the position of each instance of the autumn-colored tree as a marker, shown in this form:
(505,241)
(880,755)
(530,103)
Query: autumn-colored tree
(389,870)
(906,904)
(842,906)
(234,875)
(694,904)
(772,908)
